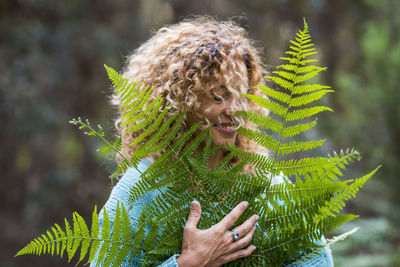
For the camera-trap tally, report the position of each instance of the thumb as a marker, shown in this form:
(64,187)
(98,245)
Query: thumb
(194,216)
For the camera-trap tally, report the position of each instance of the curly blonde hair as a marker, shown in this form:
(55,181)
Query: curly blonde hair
(190,59)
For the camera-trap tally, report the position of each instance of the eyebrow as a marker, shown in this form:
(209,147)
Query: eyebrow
(223,87)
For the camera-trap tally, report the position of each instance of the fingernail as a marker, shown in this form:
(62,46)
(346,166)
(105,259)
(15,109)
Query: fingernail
(245,203)
(257,217)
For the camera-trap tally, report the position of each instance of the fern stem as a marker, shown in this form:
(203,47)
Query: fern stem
(87,125)
(258,256)
(75,238)
(294,239)
(293,213)
(283,127)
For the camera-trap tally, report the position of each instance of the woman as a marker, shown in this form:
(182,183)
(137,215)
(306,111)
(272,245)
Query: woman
(201,65)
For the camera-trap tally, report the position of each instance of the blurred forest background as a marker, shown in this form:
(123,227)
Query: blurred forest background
(51,64)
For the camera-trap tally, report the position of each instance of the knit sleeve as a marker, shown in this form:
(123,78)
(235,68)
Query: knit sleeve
(120,196)
(323,259)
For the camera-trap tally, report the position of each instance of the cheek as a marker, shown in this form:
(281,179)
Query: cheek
(209,111)
(210,114)
(190,120)
(194,116)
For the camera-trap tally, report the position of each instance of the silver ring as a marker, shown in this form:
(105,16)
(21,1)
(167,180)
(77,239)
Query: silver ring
(235,235)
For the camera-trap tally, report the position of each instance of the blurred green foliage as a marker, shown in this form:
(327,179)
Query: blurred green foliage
(52,55)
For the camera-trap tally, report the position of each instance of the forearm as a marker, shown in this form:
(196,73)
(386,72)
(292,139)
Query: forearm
(171,262)
(322,259)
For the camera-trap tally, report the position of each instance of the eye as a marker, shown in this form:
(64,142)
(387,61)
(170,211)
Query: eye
(218,99)
(227,95)
(221,94)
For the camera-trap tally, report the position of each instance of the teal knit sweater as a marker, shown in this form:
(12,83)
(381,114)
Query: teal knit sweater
(121,193)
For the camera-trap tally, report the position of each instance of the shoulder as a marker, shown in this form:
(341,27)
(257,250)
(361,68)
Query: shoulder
(130,178)
(120,194)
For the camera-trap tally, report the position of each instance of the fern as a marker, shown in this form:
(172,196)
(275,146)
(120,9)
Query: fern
(293,216)
(70,239)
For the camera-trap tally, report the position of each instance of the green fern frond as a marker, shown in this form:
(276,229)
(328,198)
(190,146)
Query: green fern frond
(179,170)
(271,93)
(161,138)
(302,78)
(262,121)
(297,129)
(309,98)
(285,75)
(153,127)
(304,166)
(110,148)
(303,234)
(168,158)
(222,182)
(94,234)
(139,234)
(293,216)
(105,235)
(70,239)
(299,70)
(126,90)
(337,203)
(154,106)
(85,233)
(134,109)
(130,92)
(272,106)
(261,138)
(297,61)
(342,160)
(281,82)
(307,88)
(275,146)
(295,146)
(301,191)
(305,113)
(139,113)
(167,162)
(257,160)
(124,166)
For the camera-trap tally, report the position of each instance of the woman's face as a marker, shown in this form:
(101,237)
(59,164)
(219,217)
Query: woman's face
(218,112)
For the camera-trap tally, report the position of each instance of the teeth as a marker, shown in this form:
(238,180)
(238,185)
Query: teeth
(231,127)
(221,126)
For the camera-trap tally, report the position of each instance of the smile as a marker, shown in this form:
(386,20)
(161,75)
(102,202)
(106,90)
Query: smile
(225,128)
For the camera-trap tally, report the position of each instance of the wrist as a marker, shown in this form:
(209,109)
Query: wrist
(186,261)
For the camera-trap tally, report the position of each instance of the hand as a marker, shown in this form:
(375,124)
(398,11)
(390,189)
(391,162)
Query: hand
(215,246)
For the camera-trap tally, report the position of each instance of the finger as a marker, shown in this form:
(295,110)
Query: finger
(246,227)
(239,254)
(194,215)
(243,242)
(233,216)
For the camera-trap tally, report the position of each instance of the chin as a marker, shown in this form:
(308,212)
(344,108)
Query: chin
(221,138)
(223,142)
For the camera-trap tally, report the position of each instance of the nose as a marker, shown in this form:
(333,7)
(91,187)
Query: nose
(229,107)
